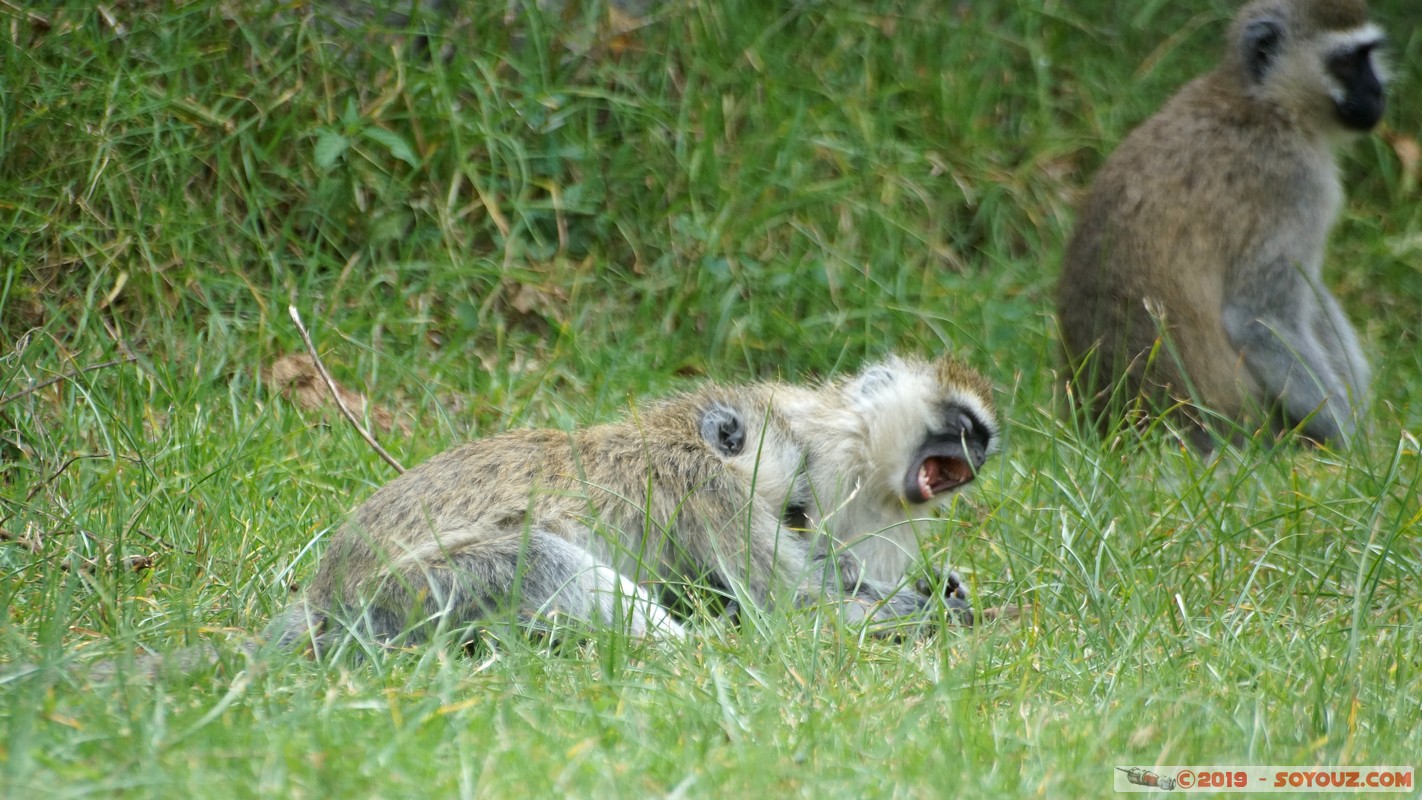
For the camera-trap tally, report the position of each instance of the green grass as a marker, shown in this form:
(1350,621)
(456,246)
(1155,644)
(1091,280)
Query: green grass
(526,225)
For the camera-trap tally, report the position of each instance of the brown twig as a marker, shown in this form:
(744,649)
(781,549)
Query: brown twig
(66,376)
(34,490)
(336,394)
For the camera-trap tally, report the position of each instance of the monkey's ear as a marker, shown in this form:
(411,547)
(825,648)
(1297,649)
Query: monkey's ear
(1260,43)
(871,381)
(723,429)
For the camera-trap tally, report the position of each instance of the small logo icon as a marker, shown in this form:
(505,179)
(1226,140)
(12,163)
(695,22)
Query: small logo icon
(1144,777)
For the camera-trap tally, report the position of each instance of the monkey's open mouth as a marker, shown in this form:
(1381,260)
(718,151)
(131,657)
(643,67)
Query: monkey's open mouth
(936,475)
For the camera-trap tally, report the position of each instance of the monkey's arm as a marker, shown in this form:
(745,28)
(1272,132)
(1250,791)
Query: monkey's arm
(770,563)
(749,549)
(1269,317)
(1334,329)
(899,605)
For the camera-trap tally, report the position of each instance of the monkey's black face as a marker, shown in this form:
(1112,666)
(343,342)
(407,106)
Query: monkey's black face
(1362,103)
(948,459)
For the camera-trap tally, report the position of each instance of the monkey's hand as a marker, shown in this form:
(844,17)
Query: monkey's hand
(954,593)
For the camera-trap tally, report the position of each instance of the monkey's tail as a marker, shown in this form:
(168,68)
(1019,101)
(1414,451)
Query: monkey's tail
(299,624)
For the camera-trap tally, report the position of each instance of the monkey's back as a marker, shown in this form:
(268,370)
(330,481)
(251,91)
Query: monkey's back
(625,491)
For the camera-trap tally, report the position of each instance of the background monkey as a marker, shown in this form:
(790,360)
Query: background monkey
(1205,231)
(776,492)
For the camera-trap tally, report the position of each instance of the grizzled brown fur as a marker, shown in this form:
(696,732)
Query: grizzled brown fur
(772,493)
(1194,275)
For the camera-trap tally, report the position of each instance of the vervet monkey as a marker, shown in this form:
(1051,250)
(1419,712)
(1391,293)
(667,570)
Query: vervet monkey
(1194,273)
(771,492)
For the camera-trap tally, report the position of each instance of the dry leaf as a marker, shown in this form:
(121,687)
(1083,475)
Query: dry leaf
(296,378)
(549,302)
(1409,155)
(137,563)
(30,539)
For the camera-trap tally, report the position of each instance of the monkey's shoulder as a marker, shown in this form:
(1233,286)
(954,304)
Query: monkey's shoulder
(1205,131)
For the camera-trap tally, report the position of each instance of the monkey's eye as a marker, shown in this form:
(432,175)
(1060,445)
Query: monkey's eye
(797,517)
(1347,65)
(961,425)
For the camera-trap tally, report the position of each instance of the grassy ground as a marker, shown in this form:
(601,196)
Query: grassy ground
(531,220)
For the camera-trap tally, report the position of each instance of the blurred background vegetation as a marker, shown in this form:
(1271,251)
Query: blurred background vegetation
(762,186)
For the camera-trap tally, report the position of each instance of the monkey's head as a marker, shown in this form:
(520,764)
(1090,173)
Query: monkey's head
(928,426)
(1314,59)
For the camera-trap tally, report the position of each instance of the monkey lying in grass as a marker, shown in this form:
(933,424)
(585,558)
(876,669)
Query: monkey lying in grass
(770,493)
